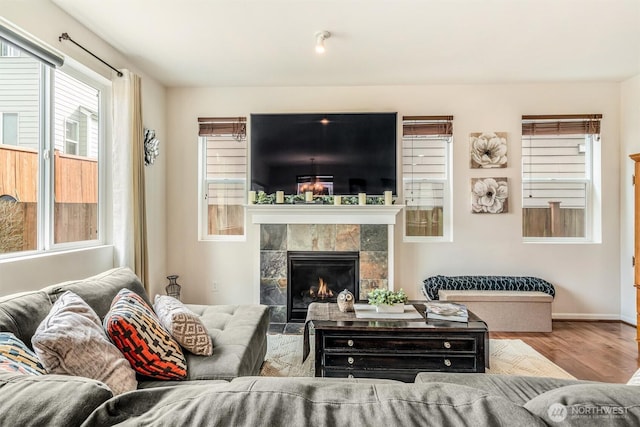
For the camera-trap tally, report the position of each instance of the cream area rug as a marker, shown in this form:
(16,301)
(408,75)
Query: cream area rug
(512,357)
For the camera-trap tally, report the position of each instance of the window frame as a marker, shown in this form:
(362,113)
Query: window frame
(203,197)
(45,242)
(446,182)
(76,142)
(591,210)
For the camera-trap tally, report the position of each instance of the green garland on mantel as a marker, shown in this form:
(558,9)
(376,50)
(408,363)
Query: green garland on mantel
(263,198)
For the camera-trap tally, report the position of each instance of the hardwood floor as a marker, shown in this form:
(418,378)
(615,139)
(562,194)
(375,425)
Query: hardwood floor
(597,351)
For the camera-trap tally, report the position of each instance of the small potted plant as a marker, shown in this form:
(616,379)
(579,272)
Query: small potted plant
(387,301)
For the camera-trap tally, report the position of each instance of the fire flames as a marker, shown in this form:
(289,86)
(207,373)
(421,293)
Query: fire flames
(322,291)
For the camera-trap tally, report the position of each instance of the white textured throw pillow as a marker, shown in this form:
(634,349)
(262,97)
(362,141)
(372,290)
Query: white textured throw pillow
(184,325)
(71,341)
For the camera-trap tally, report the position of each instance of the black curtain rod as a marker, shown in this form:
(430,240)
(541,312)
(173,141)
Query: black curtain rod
(65,36)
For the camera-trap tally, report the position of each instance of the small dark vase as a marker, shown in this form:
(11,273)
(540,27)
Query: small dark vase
(173,288)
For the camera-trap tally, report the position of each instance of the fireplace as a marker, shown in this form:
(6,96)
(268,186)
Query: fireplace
(318,277)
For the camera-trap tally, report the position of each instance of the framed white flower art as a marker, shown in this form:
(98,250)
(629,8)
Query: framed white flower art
(489,195)
(488,150)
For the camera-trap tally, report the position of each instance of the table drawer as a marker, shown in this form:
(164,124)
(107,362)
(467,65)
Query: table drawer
(453,363)
(399,343)
(388,374)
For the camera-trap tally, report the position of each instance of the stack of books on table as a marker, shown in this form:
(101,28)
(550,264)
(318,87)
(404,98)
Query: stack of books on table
(448,311)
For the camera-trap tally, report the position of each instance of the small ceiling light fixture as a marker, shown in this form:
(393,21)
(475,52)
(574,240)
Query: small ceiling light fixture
(321,36)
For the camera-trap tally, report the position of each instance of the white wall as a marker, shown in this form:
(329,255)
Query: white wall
(586,276)
(46,22)
(629,144)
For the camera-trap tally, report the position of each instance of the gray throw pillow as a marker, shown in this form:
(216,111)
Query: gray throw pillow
(71,341)
(184,325)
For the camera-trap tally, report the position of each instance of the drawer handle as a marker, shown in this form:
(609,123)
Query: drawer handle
(350,343)
(350,376)
(447,362)
(447,344)
(350,360)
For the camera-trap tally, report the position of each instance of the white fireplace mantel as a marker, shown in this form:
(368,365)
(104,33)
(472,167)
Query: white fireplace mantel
(323,214)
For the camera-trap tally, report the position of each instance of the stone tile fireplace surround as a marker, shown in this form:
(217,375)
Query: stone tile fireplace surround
(370,240)
(367,230)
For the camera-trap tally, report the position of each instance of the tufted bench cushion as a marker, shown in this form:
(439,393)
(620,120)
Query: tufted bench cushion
(239,336)
(432,285)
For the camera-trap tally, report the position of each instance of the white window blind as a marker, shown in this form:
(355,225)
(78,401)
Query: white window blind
(555,169)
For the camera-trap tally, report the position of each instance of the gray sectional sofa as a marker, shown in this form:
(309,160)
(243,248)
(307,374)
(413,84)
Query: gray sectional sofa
(223,389)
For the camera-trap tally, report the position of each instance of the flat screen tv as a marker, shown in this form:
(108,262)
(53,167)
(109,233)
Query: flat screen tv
(342,154)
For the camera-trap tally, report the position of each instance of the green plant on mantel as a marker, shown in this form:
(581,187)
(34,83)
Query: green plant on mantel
(385,296)
(263,198)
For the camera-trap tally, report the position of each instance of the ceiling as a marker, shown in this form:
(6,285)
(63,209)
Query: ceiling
(373,42)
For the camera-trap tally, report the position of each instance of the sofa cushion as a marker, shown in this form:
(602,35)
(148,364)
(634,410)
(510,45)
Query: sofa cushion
(183,324)
(312,402)
(137,332)
(588,405)
(16,357)
(239,336)
(71,341)
(49,400)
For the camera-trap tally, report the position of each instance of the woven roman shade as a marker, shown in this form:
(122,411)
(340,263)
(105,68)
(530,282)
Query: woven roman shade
(212,126)
(573,124)
(427,125)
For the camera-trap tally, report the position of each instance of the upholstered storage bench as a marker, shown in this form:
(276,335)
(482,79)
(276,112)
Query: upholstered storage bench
(506,303)
(507,311)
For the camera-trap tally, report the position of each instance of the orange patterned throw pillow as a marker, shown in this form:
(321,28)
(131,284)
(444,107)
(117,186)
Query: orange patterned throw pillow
(137,332)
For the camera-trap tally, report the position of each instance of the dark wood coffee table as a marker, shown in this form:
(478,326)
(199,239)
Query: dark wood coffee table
(348,347)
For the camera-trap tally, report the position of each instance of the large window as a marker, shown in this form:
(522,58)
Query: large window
(426,171)
(223,172)
(49,152)
(558,189)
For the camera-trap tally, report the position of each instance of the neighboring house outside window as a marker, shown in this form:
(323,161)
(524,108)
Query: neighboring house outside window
(9,128)
(72,136)
(223,178)
(559,193)
(57,196)
(426,172)
(7,49)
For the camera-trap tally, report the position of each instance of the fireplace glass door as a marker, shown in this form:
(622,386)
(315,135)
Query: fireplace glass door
(319,277)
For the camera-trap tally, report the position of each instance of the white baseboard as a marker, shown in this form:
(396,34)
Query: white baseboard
(585,316)
(629,319)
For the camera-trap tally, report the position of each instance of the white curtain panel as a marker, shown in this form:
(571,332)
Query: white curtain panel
(129,228)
